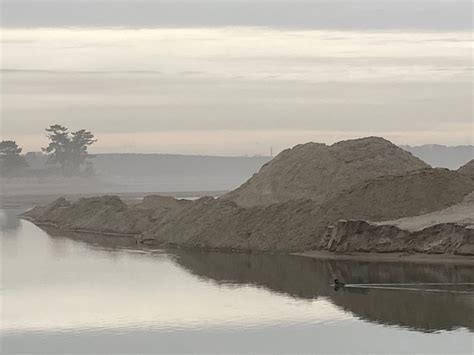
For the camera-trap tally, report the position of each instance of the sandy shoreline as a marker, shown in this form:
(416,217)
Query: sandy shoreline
(391,257)
(318,254)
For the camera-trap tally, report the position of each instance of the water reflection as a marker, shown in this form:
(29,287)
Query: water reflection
(305,278)
(51,282)
(94,293)
(9,221)
(311,278)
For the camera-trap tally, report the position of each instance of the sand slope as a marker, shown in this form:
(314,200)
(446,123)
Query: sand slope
(301,224)
(467,169)
(319,172)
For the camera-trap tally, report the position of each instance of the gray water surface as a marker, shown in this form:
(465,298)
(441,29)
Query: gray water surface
(80,293)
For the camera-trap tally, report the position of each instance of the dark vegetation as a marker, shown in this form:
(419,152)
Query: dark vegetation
(67,154)
(11,160)
(69,149)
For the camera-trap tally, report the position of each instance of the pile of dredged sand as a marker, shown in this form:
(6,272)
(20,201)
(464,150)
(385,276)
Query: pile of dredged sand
(286,207)
(448,231)
(467,169)
(319,172)
(301,224)
(106,214)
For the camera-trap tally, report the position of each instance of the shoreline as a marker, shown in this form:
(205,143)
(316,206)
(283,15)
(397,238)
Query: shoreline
(73,230)
(418,258)
(390,257)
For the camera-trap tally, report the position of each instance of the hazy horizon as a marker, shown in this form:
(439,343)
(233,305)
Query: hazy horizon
(234,77)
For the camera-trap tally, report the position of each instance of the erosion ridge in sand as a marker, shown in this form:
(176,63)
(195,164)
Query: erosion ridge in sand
(361,189)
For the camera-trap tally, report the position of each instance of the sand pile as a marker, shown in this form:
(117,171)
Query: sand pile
(301,224)
(319,172)
(467,169)
(313,186)
(106,214)
(361,236)
(448,231)
(461,214)
(415,193)
(215,223)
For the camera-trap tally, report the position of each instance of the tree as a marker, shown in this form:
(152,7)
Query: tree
(80,141)
(11,158)
(69,150)
(58,146)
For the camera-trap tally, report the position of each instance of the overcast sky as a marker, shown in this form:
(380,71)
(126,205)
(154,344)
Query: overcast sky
(314,14)
(237,77)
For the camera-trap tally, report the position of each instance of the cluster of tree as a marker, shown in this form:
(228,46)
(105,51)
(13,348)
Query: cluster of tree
(67,149)
(11,159)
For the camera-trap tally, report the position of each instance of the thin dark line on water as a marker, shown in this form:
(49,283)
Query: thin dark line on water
(419,284)
(407,289)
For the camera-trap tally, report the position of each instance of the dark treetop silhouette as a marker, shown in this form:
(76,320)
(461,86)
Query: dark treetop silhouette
(10,159)
(69,149)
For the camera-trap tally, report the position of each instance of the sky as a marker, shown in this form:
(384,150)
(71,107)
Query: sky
(237,77)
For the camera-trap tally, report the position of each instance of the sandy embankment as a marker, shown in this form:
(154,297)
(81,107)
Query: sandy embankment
(446,235)
(288,206)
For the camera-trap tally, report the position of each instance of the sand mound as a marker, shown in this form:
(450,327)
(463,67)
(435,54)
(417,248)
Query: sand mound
(162,205)
(361,236)
(467,169)
(301,224)
(461,214)
(368,179)
(415,193)
(319,172)
(216,223)
(105,214)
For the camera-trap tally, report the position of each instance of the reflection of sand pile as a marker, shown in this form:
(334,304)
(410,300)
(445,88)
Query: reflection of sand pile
(289,204)
(311,278)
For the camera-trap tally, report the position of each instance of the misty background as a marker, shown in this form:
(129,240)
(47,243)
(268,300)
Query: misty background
(189,80)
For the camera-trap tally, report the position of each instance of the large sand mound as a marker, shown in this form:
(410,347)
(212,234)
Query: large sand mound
(368,179)
(319,172)
(301,224)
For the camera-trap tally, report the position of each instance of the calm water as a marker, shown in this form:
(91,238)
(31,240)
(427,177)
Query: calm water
(71,293)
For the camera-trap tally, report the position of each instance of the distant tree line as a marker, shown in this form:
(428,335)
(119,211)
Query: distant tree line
(67,150)
(11,160)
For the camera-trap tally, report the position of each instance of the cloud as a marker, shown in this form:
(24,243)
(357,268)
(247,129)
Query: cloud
(249,81)
(252,53)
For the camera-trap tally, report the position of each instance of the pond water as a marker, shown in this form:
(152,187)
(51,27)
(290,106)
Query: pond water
(78,293)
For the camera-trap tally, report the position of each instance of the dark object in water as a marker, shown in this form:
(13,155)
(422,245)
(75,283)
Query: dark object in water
(338,285)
